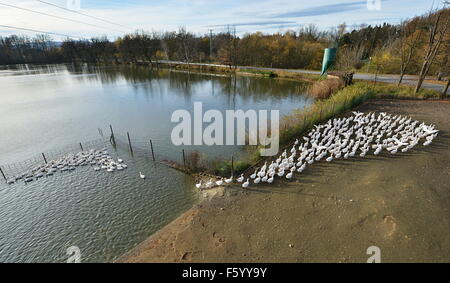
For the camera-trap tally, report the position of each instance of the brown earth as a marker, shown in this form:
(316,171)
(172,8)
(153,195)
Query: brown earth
(330,213)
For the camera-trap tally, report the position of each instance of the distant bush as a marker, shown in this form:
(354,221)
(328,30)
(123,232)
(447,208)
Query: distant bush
(325,88)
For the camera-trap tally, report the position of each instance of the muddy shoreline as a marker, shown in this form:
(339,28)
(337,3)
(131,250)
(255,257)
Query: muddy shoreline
(330,213)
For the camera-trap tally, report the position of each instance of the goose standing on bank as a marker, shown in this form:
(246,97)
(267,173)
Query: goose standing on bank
(343,138)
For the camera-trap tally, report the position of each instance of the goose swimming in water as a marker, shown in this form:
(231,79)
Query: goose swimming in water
(100,159)
(141,175)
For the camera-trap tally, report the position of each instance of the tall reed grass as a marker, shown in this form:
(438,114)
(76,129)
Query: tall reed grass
(323,89)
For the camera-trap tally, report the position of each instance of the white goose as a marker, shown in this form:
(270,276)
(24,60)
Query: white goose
(209,184)
(289,175)
(228,181)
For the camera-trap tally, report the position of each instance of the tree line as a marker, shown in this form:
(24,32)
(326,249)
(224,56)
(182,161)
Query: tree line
(416,46)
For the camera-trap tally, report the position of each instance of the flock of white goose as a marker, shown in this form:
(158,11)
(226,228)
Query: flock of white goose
(359,134)
(99,159)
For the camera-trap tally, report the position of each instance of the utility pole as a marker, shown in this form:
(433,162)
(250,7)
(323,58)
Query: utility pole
(210,43)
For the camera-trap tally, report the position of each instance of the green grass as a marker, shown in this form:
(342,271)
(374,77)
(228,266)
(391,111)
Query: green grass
(300,121)
(264,73)
(386,90)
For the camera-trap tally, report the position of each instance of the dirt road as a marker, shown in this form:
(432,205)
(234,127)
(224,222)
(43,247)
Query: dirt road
(407,80)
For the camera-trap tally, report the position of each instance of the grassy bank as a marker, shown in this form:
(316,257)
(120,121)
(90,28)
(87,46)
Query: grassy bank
(386,90)
(299,122)
(246,71)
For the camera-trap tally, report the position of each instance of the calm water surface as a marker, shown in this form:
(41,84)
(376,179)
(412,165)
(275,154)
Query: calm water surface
(45,108)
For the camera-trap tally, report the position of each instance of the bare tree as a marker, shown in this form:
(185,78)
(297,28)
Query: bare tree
(228,54)
(438,31)
(409,41)
(186,43)
(444,92)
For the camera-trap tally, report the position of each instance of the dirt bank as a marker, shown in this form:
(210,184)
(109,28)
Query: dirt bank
(330,213)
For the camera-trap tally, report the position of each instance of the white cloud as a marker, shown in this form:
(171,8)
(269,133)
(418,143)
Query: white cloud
(198,15)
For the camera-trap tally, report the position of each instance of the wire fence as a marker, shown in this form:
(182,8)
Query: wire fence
(155,150)
(19,168)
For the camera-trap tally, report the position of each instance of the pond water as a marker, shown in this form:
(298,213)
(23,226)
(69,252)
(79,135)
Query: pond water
(46,108)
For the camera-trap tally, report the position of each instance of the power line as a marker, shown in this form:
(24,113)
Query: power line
(39,31)
(86,15)
(54,16)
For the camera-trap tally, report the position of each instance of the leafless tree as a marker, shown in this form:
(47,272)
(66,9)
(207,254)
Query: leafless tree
(409,42)
(444,92)
(438,31)
(186,43)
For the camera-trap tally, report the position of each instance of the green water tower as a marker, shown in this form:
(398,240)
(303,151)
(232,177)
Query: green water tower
(329,58)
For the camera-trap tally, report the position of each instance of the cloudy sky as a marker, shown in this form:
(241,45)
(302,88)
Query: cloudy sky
(199,15)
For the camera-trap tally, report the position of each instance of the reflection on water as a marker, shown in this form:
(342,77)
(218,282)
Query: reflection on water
(46,107)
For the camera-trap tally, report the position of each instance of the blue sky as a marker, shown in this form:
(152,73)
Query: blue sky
(200,15)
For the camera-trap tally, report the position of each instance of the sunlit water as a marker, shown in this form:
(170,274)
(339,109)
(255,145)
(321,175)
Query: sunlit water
(44,108)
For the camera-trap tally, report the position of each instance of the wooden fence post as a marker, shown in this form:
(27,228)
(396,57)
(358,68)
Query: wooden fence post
(113,138)
(3,174)
(153,153)
(129,142)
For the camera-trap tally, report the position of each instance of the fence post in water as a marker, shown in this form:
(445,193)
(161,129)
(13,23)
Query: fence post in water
(81,147)
(45,159)
(184,160)
(112,136)
(129,142)
(153,153)
(3,174)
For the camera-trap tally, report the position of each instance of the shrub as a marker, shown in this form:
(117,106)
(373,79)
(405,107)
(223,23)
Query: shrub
(323,89)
